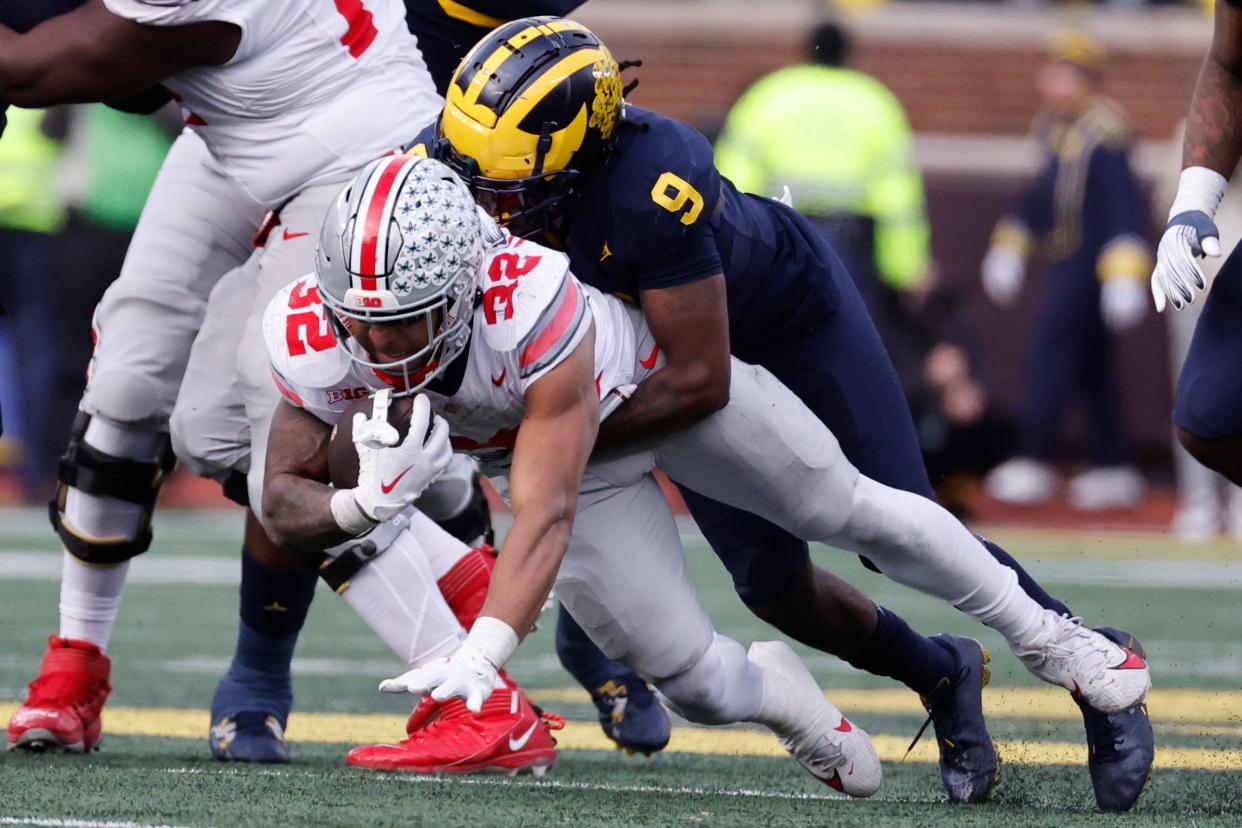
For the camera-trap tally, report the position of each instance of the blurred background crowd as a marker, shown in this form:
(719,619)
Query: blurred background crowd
(994,176)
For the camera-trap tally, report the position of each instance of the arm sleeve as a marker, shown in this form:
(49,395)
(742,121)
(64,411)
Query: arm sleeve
(1113,191)
(895,199)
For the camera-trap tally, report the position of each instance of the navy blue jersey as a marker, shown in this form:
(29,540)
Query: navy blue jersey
(447,29)
(658,214)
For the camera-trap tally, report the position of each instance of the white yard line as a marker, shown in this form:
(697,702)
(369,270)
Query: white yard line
(557,784)
(52,822)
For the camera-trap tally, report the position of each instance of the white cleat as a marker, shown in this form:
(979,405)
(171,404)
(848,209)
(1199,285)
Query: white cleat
(1021,482)
(1108,677)
(817,735)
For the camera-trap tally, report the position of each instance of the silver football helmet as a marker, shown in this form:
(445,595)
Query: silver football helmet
(404,240)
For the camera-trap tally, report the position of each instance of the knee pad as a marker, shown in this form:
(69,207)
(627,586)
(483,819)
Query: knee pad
(715,689)
(98,474)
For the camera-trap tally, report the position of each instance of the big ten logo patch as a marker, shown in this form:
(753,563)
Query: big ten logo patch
(336,395)
(503,274)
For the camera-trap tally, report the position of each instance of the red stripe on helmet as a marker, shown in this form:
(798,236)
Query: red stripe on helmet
(374,222)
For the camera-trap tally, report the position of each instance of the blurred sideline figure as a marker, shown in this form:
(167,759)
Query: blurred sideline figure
(841,143)
(1085,217)
(30,214)
(1202,494)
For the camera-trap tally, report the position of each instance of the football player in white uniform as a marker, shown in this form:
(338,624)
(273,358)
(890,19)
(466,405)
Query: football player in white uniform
(403,299)
(522,380)
(282,101)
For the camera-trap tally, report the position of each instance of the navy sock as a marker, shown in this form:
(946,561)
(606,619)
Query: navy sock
(899,652)
(274,604)
(1029,585)
(579,655)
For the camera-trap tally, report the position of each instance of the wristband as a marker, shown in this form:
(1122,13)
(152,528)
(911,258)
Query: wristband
(493,639)
(349,515)
(1198,189)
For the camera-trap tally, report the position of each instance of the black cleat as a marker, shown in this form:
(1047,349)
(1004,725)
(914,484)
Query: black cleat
(1120,746)
(631,715)
(969,767)
(252,736)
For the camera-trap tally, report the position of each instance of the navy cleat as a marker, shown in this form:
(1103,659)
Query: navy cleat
(969,767)
(1120,746)
(251,736)
(631,715)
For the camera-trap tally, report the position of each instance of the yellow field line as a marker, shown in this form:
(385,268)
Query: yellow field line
(1174,706)
(363,728)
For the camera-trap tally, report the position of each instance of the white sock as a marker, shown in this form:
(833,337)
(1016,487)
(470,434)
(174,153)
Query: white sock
(914,541)
(441,550)
(90,597)
(396,595)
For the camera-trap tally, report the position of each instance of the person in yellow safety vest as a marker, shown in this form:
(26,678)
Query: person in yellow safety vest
(30,212)
(840,141)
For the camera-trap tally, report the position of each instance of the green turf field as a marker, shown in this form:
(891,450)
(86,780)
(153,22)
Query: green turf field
(176,633)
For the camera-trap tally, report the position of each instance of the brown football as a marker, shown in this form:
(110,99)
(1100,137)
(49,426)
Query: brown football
(342,456)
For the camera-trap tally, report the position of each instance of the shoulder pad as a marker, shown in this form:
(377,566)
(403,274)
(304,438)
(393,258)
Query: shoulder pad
(301,344)
(520,283)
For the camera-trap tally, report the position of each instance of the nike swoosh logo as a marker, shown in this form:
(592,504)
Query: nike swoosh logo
(845,726)
(1133,661)
(388,487)
(289,235)
(520,742)
(651,357)
(496,381)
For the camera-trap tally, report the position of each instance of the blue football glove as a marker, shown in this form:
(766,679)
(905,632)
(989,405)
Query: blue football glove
(1190,236)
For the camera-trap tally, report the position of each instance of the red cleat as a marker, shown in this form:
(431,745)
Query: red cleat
(507,736)
(61,712)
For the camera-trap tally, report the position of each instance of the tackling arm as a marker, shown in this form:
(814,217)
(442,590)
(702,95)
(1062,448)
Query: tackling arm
(297,509)
(553,443)
(690,323)
(1214,130)
(91,54)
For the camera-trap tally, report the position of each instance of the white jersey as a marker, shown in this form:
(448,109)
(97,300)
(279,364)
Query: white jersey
(316,89)
(534,312)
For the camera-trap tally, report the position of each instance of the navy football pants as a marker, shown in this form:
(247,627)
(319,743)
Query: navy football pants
(1209,391)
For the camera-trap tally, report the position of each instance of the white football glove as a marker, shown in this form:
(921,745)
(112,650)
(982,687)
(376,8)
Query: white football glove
(466,674)
(1123,302)
(391,476)
(1190,235)
(470,673)
(1003,271)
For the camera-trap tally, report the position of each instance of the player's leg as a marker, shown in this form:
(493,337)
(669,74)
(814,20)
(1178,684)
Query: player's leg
(196,225)
(624,580)
(772,572)
(766,452)
(842,373)
(419,588)
(1208,408)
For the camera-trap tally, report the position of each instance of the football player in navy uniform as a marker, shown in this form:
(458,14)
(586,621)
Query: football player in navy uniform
(1208,409)
(536,122)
